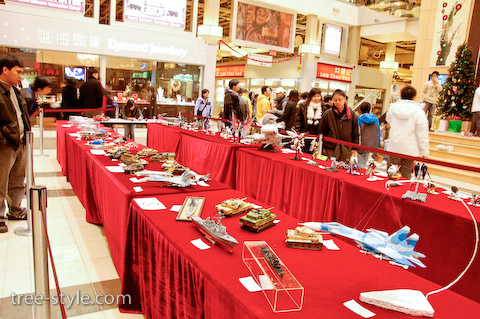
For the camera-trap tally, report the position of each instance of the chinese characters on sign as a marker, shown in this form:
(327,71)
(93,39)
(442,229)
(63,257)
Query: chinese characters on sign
(232,71)
(334,72)
(165,12)
(69,39)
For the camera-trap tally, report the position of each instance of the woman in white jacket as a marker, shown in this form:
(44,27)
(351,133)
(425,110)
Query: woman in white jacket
(408,130)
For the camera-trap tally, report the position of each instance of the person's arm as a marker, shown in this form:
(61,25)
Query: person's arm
(355,129)
(210,112)
(379,135)
(421,133)
(197,106)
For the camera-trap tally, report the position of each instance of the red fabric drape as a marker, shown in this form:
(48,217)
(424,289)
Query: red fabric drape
(170,278)
(163,138)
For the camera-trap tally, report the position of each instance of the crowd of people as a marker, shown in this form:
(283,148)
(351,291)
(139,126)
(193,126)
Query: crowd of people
(403,129)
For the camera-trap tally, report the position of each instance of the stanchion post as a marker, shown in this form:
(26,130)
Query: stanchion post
(115,127)
(27,230)
(38,195)
(320,144)
(41,117)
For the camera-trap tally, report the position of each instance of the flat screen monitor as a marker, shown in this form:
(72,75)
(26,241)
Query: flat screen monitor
(77,73)
(332,39)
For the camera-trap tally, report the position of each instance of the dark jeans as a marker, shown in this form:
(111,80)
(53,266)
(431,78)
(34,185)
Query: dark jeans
(430,112)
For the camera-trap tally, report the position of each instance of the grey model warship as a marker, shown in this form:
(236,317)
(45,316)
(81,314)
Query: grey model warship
(272,260)
(214,231)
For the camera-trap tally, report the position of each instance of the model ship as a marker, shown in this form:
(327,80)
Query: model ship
(257,220)
(214,231)
(233,206)
(304,238)
(272,260)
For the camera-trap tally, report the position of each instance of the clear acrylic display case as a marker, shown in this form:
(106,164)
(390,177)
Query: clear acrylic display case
(283,291)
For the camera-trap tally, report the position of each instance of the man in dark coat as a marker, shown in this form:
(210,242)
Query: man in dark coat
(231,102)
(14,123)
(341,123)
(91,92)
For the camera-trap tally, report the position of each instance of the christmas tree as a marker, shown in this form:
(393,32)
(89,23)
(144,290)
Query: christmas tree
(457,95)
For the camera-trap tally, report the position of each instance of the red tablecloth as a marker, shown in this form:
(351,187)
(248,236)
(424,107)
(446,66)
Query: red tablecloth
(445,227)
(163,138)
(106,196)
(305,192)
(167,277)
(63,128)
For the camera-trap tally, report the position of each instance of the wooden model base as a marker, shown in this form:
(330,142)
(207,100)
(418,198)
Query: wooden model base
(258,229)
(316,246)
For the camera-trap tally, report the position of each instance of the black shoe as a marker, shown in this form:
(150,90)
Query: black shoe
(3,227)
(17,217)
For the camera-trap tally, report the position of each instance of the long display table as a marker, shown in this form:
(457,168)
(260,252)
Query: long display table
(168,277)
(106,196)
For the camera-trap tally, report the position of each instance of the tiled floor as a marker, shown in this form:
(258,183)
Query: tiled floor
(80,249)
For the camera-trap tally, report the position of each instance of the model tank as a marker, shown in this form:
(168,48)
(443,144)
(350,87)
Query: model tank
(215,230)
(257,220)
(147,152)
(233,206)
(133,168)
(162,157)
(304,238)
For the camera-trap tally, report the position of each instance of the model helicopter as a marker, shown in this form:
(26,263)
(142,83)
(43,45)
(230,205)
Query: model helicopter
(396,246)
(187,179)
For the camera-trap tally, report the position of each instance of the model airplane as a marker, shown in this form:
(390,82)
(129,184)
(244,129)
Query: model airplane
(270,136)
(396,247)
(187,179)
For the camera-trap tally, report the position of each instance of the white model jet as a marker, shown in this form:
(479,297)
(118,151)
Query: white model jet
(396,246)
(187,179)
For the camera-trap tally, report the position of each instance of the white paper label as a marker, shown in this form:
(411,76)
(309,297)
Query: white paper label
(330,245)
(149,203)
(138,189)
(134,180)
(249,284)
(66,125)
(176,208)
(199,244)
(115,169)
(97,152)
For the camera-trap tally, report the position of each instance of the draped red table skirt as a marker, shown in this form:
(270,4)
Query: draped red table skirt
(163,138)
(63,128)
(106,196)
(167,277)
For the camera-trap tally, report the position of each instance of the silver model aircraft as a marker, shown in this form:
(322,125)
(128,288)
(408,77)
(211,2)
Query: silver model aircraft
(187,179)
(397,246)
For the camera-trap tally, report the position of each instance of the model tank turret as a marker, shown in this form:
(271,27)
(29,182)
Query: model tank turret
(233,206)
(258,219)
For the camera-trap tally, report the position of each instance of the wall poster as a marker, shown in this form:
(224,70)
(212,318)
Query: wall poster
(68,5)
(165,12)
(255,25)
(451,22)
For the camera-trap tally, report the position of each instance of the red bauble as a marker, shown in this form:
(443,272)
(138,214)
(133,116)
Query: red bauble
(445,17)
(450,44)
(458,7)
(443,11)
(439,52)
(444,4)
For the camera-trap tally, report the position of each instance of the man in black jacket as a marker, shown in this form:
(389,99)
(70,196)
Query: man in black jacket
(231,102)
(91,92)
(14,122)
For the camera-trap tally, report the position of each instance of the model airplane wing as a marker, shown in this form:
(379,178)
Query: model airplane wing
(393,254)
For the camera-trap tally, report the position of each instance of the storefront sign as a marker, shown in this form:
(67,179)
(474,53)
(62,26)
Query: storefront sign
(260,59)
(68,5)
(166,12)
(230,71)
(334,72)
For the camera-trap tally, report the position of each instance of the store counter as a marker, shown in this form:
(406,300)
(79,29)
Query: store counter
(167,277)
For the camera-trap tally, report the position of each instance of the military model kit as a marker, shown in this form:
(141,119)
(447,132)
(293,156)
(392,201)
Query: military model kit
(146,152)
(233,206)
(304,238)
(162,157)
(214,231)
(187,179)
(258,220)
(133,168)
(272,260)
(129,158)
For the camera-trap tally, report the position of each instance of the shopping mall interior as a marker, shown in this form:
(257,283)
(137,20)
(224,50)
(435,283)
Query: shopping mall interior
(129,260)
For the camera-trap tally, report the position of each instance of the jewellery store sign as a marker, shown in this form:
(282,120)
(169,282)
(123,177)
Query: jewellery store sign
(112,41)
(68,5)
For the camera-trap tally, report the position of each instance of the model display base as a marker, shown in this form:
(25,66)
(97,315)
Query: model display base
(419,197)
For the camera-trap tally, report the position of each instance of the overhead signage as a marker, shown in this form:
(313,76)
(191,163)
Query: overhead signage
(261,25)
(68,5)
(332,39)
(334,72)
(165,12)
(259,59)
(230,71)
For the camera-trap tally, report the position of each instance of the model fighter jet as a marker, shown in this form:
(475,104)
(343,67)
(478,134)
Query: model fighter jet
(187,179)
(397,246)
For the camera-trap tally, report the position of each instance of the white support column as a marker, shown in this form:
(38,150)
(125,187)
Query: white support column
(96,10)
(389,56)
(308,61)
(103,70)
(353,50)
(211,12)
